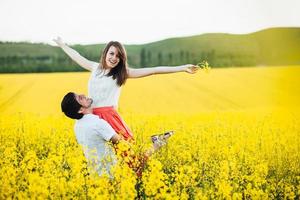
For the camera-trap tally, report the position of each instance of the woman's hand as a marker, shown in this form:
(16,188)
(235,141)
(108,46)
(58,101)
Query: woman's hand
(58,41)
(191,69)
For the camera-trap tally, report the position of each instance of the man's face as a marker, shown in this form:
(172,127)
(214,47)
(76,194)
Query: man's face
(83,100)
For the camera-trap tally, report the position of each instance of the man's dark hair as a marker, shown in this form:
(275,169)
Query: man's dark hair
(70,106)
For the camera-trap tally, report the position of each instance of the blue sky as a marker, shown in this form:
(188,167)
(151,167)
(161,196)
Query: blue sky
(138,21)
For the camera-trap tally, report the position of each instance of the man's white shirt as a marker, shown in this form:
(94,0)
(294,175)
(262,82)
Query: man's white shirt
(93,134)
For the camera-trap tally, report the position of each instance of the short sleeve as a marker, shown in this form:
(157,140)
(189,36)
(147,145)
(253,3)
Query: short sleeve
(105,130)
(94,66)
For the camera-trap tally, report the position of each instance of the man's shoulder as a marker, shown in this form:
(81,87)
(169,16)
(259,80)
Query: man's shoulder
(90,119)
(91,124)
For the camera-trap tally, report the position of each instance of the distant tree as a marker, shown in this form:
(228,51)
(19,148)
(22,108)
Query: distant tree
(143,57)
(149,58)
(181,56)
(170,56)
(211,56)
(194,59)
(129,58)
(160,58)
(203,56)
(187,57)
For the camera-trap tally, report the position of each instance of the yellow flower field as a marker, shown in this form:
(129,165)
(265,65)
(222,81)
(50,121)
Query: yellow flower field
(237,133)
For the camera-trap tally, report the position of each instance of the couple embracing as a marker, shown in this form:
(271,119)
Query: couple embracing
(97,119)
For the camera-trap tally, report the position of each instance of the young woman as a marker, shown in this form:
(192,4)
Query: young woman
(109,75)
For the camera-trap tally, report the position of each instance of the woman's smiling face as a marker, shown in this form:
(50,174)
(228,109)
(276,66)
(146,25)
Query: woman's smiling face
(112,57)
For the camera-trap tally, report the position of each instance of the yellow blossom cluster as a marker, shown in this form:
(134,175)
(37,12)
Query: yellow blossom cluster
(236,137)
(204,66)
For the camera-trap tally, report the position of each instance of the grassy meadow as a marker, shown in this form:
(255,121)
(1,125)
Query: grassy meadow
(237,133)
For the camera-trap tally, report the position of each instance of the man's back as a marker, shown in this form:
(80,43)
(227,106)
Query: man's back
(93,134)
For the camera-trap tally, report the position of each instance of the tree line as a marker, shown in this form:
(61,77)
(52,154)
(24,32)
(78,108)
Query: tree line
(146,58)
(275,46)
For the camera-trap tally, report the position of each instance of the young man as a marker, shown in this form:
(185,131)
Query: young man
(94,134)
(91,132)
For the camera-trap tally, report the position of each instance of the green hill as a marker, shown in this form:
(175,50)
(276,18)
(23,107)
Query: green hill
(274,46)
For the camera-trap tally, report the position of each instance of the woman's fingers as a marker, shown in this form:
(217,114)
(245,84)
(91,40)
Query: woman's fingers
(192,69)
(58,40)
(55,40)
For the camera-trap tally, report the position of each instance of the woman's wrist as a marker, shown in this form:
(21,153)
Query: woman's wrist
(182,68)
(61,44)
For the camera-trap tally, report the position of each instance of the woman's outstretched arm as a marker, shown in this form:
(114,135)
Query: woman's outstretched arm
(142,72)
(74,55)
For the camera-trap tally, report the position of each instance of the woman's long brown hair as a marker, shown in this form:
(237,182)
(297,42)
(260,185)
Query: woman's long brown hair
(119,72)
